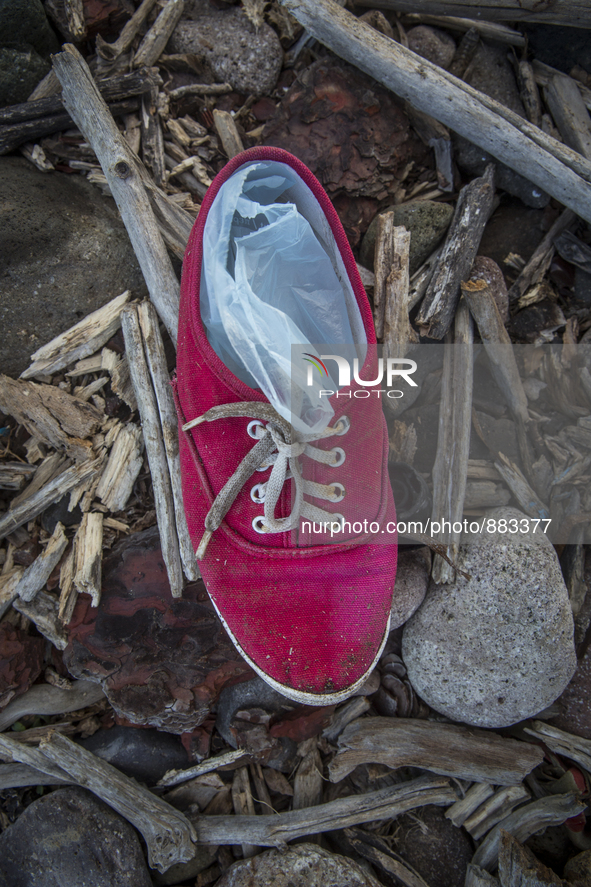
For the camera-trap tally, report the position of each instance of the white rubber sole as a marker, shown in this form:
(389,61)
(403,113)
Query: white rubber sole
(299,695)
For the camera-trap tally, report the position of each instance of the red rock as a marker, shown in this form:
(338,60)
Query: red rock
(350,131)
(303,723)
(21,660)
(162,661)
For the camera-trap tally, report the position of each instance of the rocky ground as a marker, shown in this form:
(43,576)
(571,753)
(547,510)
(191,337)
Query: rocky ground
(137,747)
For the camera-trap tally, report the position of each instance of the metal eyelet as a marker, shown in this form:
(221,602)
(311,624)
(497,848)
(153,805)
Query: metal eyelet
(339,493)
(251,426)
(258,524)
(340,455)
(346,425)
(257,494)
(339,518)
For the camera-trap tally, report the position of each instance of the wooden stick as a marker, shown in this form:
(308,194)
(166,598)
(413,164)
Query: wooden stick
(124,465)
(35,576)
(494,809)
(168,834)
(199,89)
(159,34)
(89,555)
(530,95)
(44,699)
(573,747)
(398,332)
(489,30)
(477,877)
(22,775)
(243,803)
(457,255)
(442,748)
(152,139)
(13,475)
(91,115)
(476,795)
(450,471)
(551,165)
(539,263)
(517,483)
(226,129)
(155,451)
(112,51)
(177,777)
(560,12)
(43,612)
(382,265)
(32,757)
(274,830)
(544,74)
(348,712)
(71,477)
(307,786)
(156,360)
(522,823)
(570,114)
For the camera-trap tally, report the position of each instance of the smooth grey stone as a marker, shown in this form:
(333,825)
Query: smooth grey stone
(432,44)
(24,23)
(497,648)
(304,865)
(20,72)
(71,839)
(64,253)
(247,58)
(427,222)
(184,871)
(142,753)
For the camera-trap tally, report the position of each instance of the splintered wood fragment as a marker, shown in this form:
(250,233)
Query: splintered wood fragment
(174,223)
(124,175)
(450,470)
(477,877)
(13,475)
(573,747)
(501,356)
(168,834)
(518,865)
(382,264)
(88,545)
(522,491)
(476,795)
(50,414)
(49,86)
(229,136)
(526,821)
(243,803)
(494,809)
(261,794)
(307,786)
(71,19)
(564,100)
(43,612)
(273,830)
(156,359)
(32,757)
(347,712)
(199,89)
(118,368)
(112,51)
(560,12)
(51,492)
(442,748)
(554,167)
(529,92)
(123,466)
(544,74)
(472,211)
(398,332)
(540,261)
(21,775)
(152,139)
(45,699)
(152,46)
(8,584)
(37,574)
(80,341)
(177,777)
(421,279)
(163,497)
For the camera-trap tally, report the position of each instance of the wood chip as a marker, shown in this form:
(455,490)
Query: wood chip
(229,136)
(43,612)
(37,574)
(476,795)
(88,547)
(157,37)
(123,466)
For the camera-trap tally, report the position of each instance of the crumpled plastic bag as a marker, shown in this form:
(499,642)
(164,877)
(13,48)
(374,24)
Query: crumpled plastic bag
(271,280)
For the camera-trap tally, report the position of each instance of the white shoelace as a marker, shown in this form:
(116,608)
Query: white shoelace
(274,447)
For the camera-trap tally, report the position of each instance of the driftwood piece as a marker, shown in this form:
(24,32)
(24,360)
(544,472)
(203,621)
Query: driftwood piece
(155,451)
(457,255)
(307,786)
(8,584)
(570,114)
(69,18)
(552,166)
(43,612)
(71,477)
(152,46)
(398,332)
(476,795)
(121,168)
(539,262)
(544,74)
(489,30)
(573,747)
(560,12)
(274,830)
(523,493)
(382,265)
(442,748)
(112,51)
(522,823)
(347,712)
(81,340)
(20,753)
(529,92)
(261,796)
(243,803)
(88,547)
(13,475)
(477,877)
(45,699)
(37,574)
(21,775)
(177,777)
(123,466)
(199,89)
(152,139)
(450,470)
(118,368)
(519,867)
(168,834)
(494,809)
(156,360)
(229,136)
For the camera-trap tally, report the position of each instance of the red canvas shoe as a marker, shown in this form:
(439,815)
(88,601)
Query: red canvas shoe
(306,607)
